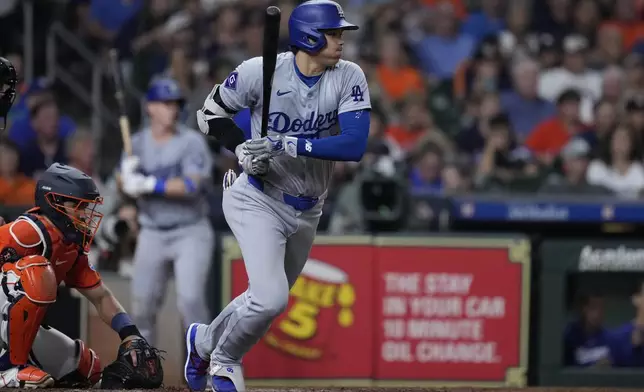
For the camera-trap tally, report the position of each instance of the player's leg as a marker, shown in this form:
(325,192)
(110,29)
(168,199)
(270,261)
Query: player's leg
(261,232)
(149,281)
(192,252)
(21,313)
(299,244)
(198,359)
(70,362)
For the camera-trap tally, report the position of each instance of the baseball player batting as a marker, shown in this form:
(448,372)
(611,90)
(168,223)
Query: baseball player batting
(167,174)
(319,114)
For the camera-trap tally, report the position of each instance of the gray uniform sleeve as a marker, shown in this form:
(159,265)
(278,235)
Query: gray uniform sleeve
(355,91)
(197,161)
(243,87)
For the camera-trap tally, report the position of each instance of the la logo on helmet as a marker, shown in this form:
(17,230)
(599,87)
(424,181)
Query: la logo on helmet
(340,12)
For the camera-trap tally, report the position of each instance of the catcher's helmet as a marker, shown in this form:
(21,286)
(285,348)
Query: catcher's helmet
(309,20)
(8,81)
(165,90)
(69,197)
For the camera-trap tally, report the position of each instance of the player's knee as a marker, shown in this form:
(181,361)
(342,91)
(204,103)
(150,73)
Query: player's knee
(274,306)
(87,373)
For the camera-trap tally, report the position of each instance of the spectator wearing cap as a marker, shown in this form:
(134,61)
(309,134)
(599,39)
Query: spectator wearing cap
(619,166)
(552,17)
(573,74)
(397,78)
(488,20)
(48,145)
(444,48)
(517,42)
(472,139)
(548,138)
(22,130)
(16,189)
(425,177)
(549,51)
(502,160)
(484,73)
(522,104)
(634,116)
(575,158)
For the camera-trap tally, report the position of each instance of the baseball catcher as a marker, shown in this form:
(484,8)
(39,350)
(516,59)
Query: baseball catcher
(44,247)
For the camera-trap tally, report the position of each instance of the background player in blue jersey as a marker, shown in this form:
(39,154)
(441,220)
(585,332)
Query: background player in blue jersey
(168,175)
(319,113)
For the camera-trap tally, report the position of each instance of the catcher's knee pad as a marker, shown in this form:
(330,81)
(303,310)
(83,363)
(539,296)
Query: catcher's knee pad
(30,286)
(87,373)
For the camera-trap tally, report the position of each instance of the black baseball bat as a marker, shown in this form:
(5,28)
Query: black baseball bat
(271,39)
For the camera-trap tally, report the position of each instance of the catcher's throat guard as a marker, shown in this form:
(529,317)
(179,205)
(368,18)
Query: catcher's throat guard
(30,287)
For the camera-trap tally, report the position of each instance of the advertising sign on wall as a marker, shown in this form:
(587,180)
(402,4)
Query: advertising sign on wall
(365,311)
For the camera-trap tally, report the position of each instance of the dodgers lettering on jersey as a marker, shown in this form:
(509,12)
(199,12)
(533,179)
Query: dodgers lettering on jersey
(186,154)
(299,111)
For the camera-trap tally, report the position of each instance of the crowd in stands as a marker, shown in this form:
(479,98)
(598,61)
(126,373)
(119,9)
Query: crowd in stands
(492,96)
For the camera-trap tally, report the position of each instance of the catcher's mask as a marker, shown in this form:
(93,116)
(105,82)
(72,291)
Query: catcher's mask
(69,198)
(8,81)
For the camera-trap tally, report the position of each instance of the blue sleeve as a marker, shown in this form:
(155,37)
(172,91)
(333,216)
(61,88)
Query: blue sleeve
(242,119)
(349,145)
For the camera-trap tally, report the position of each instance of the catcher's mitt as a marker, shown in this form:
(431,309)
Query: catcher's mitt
(138,366)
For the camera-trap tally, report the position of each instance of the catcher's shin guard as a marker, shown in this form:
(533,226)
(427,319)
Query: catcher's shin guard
(87,373)
(30,286)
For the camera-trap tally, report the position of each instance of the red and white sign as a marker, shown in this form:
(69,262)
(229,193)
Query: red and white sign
(450,314)
(387,313)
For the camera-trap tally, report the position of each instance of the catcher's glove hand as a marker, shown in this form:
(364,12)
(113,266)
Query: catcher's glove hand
(138,366)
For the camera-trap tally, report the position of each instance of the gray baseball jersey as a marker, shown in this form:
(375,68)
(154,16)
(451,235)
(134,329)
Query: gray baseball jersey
(186,154)
(173,230)
(297,110)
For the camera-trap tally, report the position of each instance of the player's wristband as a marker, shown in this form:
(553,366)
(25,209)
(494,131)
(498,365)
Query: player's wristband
(292,145)
(190,185)
(124,326)
(159,186)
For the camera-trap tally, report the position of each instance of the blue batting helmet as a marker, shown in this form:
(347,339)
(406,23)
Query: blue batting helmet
(165,90)
(309,20)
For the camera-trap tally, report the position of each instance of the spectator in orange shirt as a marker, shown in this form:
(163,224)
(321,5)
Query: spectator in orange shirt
(16,189)
(416,128)
(627,18)
(550,136)
(395,75)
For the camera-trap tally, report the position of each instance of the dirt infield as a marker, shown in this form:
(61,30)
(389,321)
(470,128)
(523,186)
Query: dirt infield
(532,389)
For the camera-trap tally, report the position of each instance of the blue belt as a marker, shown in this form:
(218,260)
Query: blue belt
(300,203)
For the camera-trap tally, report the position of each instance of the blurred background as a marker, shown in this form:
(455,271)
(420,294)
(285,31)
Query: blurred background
(521,116)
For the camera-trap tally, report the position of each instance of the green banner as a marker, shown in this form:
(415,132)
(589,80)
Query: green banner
(569,269)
